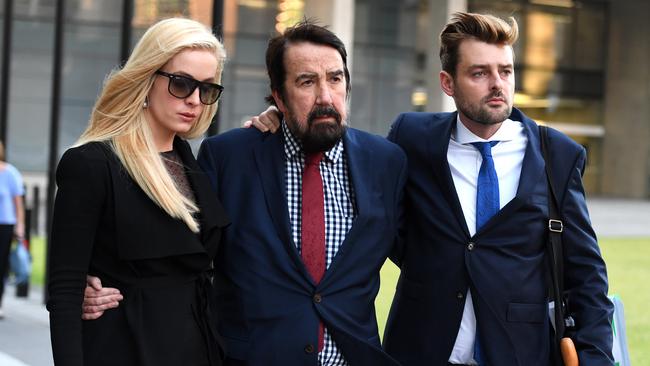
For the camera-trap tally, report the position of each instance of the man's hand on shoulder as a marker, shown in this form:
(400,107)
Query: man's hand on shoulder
(269,120)
(98,299)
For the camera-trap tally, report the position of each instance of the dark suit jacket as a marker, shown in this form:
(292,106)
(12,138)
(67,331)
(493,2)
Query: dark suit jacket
(105,225)
(264,296)
(505,267)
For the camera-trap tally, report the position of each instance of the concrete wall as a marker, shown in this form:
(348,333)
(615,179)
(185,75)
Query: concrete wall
(626,150)
(440,12)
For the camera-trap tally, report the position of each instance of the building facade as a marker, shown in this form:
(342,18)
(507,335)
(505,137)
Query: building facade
(580,67)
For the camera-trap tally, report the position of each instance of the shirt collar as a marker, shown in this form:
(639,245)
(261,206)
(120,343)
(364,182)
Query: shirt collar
(293,146)
(508,131)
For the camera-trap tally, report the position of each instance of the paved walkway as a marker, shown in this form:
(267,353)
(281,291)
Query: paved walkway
(24,333)
(619,217)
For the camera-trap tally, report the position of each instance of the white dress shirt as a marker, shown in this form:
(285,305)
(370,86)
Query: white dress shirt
(465,162)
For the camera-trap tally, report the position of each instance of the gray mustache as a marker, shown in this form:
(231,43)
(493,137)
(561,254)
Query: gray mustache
(328,111)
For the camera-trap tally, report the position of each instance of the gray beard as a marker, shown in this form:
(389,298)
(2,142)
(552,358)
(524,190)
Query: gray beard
(319,137)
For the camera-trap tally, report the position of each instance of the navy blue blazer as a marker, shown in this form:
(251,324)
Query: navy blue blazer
(264,296)
(504,267)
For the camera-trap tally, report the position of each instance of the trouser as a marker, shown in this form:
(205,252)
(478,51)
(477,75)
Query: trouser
(6,235)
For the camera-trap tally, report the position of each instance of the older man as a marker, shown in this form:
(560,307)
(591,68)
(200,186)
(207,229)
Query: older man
(314,217)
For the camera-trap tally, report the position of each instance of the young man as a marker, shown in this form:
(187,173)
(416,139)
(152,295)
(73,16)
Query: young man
(473,286)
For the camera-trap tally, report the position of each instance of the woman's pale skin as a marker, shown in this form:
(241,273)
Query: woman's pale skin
(167,116)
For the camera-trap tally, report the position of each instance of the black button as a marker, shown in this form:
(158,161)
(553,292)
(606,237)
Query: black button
(317,298)
(459,295)
(470,246)
(309,348)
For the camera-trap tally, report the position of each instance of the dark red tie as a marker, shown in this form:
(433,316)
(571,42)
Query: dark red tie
(312,234)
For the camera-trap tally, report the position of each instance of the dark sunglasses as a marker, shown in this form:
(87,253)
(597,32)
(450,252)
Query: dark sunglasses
(182,87)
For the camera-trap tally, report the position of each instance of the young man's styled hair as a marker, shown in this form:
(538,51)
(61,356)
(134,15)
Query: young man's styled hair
(479,27)
(305,31)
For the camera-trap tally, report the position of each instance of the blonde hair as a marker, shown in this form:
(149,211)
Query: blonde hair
(118,116)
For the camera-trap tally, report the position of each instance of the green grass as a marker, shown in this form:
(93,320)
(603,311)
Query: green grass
(628,266)
(37,249)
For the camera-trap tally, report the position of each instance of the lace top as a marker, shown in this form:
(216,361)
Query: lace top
(176,169)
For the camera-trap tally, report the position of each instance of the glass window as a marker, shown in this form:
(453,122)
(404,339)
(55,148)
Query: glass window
(248,24)
(2,45)
(385,61)
(147,12)
(560,67)
(92,49)
(591,37)
(31,77)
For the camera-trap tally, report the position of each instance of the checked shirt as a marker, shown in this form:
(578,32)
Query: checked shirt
(339,212)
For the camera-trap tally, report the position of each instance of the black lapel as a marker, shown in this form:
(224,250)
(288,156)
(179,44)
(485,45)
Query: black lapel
(143,229)
(213,214)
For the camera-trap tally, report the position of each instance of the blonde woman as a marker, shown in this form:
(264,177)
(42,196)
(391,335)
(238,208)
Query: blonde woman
(134,209)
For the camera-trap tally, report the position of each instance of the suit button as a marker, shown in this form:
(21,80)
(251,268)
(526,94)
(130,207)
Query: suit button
(317,298)
(459,295)
(309,348)
(470,246)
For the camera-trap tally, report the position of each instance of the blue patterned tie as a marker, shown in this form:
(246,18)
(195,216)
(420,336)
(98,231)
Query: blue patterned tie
(487,205)
(487,187)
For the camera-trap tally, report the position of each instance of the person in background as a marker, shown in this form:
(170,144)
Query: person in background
(12,215)
(134,209)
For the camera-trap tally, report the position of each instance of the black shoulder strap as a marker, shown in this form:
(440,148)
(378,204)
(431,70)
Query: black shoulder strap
(555,228)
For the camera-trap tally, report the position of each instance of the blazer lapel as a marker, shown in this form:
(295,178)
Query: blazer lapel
(363,184)
(532,170)
(213,215)
(270,160)
(438,143)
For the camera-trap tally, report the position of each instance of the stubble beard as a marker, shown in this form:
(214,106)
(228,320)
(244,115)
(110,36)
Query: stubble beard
(482,113)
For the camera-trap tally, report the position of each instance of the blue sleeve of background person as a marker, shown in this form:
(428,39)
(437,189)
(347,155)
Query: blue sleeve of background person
(16,183)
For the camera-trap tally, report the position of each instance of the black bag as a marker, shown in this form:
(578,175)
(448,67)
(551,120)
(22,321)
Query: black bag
(563,349)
